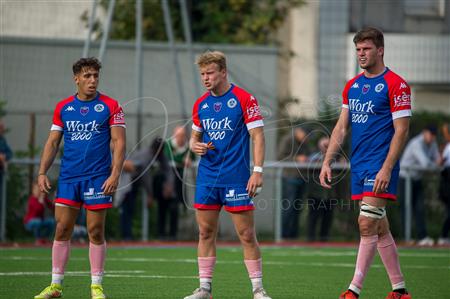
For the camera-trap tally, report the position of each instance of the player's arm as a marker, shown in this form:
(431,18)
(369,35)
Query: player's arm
(118,141)
(48,156)
(259,146)
(196,144)
(401,130)
(336,140)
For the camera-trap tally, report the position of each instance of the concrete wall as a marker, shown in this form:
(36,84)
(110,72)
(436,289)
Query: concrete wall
(36,73)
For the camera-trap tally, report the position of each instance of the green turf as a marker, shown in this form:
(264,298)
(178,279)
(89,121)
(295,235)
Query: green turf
(170,273)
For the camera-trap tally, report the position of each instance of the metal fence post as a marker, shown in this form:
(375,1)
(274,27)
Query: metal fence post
(408,205)
(144,216)
(278,206)
(3,207)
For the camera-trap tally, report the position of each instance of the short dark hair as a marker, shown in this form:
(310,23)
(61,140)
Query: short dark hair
(432,128)
(371,33)
(82,63)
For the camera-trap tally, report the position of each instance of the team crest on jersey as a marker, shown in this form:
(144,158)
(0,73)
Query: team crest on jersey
(366,88)
(379,87)
(232,103)
(84,110)
(217,106)
(99,108)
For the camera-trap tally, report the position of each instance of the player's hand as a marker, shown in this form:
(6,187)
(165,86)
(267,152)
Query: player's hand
(325,176)
(110,185)
(382,180)
(200,148)
(44,183)
(255,181)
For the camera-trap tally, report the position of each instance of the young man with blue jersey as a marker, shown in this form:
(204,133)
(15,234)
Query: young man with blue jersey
(377,105)
(90,122)
(225,118)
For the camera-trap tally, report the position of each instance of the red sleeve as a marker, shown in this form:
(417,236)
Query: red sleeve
(196,123)
(116,114)
(250,108)
(58,124)
(399,94)
(347,88)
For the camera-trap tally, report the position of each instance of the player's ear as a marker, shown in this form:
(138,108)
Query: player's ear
(76,79)
(380,51)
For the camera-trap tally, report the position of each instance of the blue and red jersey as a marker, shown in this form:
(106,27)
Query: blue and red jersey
(225,121)
(86,130)
(373,104)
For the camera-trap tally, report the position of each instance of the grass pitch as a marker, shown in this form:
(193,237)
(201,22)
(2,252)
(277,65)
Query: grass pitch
(170,272)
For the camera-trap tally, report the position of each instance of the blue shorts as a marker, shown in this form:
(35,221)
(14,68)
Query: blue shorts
(362,185)
(235,199)
(88,193)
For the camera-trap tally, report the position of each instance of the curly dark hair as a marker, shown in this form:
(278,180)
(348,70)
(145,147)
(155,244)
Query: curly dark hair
(82,63)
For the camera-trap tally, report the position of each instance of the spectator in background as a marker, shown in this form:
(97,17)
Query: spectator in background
(180,156)
(293,148)
(319,199)
(444,186)
(35,219)
(5,155)
(422,151)
(139,171)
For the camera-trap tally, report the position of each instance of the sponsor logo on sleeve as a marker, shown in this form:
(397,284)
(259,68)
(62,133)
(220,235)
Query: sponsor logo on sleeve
(253,111)
(119,117)
(402,100)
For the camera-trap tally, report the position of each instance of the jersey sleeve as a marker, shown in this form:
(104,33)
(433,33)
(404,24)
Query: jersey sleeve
(196,124)
(117,116)
(399,98)
(57,124)
(252,112)
(345,94)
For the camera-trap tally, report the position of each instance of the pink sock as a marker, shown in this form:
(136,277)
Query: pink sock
(205,271)
(60,256)
(388,253)
(97,259)
(254,269)
(366,252)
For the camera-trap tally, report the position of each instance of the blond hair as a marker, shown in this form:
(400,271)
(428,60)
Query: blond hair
(209,57)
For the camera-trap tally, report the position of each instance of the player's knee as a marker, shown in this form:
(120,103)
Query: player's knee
(247,235)
(96,234)
(206,233)
(63,231)
(367,226)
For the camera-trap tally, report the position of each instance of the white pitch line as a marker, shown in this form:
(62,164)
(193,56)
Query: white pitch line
(271,263)
(353,253)
(82,273)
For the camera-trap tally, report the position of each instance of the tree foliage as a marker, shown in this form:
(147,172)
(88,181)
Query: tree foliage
(221,21)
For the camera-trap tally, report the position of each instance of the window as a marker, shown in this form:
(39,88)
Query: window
(425,8)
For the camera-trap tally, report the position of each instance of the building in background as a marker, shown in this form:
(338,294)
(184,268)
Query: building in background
(319,36)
